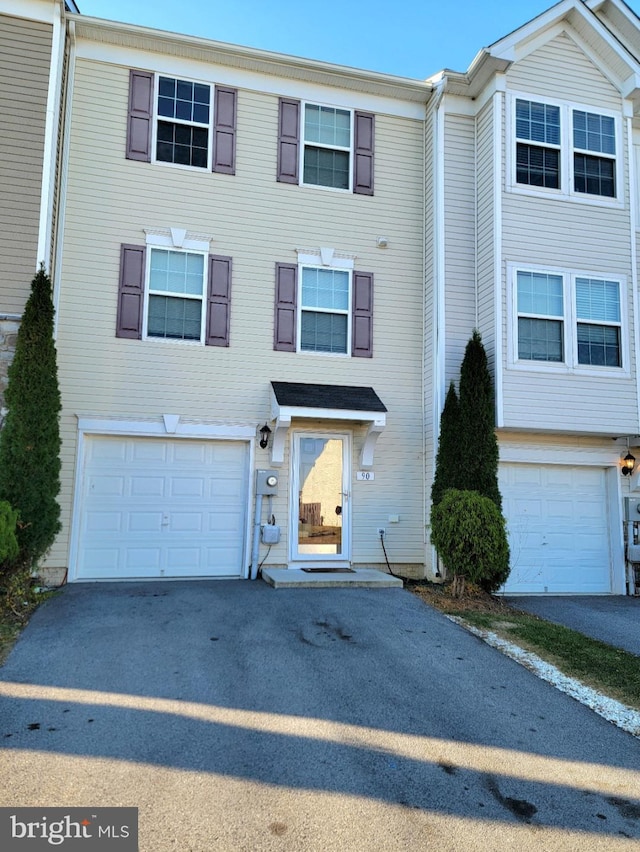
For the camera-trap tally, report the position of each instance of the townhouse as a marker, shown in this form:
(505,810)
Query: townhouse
(266,271)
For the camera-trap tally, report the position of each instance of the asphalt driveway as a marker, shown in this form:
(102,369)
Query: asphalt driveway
(614,619)
(236,717)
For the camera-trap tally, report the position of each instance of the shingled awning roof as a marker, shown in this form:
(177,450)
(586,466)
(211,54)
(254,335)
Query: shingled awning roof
(327,402)
(344,397)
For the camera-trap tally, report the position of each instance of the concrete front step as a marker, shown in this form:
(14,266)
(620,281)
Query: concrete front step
(290,578)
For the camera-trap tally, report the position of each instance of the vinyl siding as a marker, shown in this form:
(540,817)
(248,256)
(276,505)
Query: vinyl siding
(561,70)
(25,55)
(258,222)
(486,218)
(460,245)
(574,236)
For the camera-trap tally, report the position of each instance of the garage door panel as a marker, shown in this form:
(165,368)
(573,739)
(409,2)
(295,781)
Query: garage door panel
(557,522)
(173,509)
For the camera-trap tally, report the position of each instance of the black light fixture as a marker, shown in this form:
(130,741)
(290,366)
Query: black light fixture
(628,464)
(264,436)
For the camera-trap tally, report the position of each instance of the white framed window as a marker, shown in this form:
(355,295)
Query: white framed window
(599,322)
(540,304)
(325,310)
(567,320)
(182,127)
(175,294)
(565,150)
(327,146)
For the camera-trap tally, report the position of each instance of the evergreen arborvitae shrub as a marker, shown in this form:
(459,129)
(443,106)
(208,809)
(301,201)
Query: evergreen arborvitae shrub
(478,445)
(469,533)
(448,473)
(8,541)
(30,438)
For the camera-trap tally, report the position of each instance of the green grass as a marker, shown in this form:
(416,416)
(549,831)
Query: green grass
(10,629)
(609,670)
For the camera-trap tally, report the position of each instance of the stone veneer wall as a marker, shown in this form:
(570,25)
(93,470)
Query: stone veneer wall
(9,324)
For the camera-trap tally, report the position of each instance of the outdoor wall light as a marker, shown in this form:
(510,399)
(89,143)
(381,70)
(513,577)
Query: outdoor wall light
(628,463)
(264,436)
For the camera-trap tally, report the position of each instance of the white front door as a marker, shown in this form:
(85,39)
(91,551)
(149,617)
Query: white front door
(320,498)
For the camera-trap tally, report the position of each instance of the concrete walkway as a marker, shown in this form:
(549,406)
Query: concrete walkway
(614,619)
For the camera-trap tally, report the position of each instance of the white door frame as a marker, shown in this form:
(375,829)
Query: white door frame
(338,560)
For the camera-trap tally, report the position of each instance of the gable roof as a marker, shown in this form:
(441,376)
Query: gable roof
(616,57)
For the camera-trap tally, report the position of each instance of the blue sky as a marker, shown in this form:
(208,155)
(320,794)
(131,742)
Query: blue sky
(405,37)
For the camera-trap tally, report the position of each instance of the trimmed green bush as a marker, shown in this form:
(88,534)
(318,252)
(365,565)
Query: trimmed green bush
(8,541)
(30,438)
(468,531)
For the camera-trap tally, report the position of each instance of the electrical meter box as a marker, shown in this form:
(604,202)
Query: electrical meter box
(270,534)
(632,509)
(267,482)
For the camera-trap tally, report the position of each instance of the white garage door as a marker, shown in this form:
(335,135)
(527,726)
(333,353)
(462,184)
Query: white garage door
(162,508)
(558,528)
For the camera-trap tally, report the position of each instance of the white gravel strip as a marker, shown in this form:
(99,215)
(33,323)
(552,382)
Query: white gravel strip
(613,711)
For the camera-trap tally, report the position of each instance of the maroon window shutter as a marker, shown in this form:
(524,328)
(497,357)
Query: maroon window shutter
(363,155)
(362,319)
(218,301)
(130,292)
(224,131)
(140,112)
(288,140)
(284,336)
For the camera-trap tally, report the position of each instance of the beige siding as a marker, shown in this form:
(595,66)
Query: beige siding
(429,379)
(460,244)
(258,222)
(25,56)
(572,236)
(560,69)
(486,213)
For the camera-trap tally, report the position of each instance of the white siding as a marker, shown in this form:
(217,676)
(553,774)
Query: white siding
(560,69)
(460,245)
(486,217)
(575,236)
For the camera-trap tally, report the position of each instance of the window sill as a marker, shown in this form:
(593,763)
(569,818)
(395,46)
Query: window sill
(577,197)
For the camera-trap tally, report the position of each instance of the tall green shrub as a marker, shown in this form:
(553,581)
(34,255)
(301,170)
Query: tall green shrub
(8,541)
(478,445)
(469,533)
(448,471)
(30,439)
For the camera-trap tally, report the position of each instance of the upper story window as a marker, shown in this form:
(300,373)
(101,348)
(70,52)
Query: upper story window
(323,305)
(175,295)
(325,297)
(172,289)
(538,158)
(540,300)
(565,151)
(182,122)
(594,157)
(183,118)
(599,323)
(325,146)
(569,319)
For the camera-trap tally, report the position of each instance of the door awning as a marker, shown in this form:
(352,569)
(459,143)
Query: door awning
(325,402)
